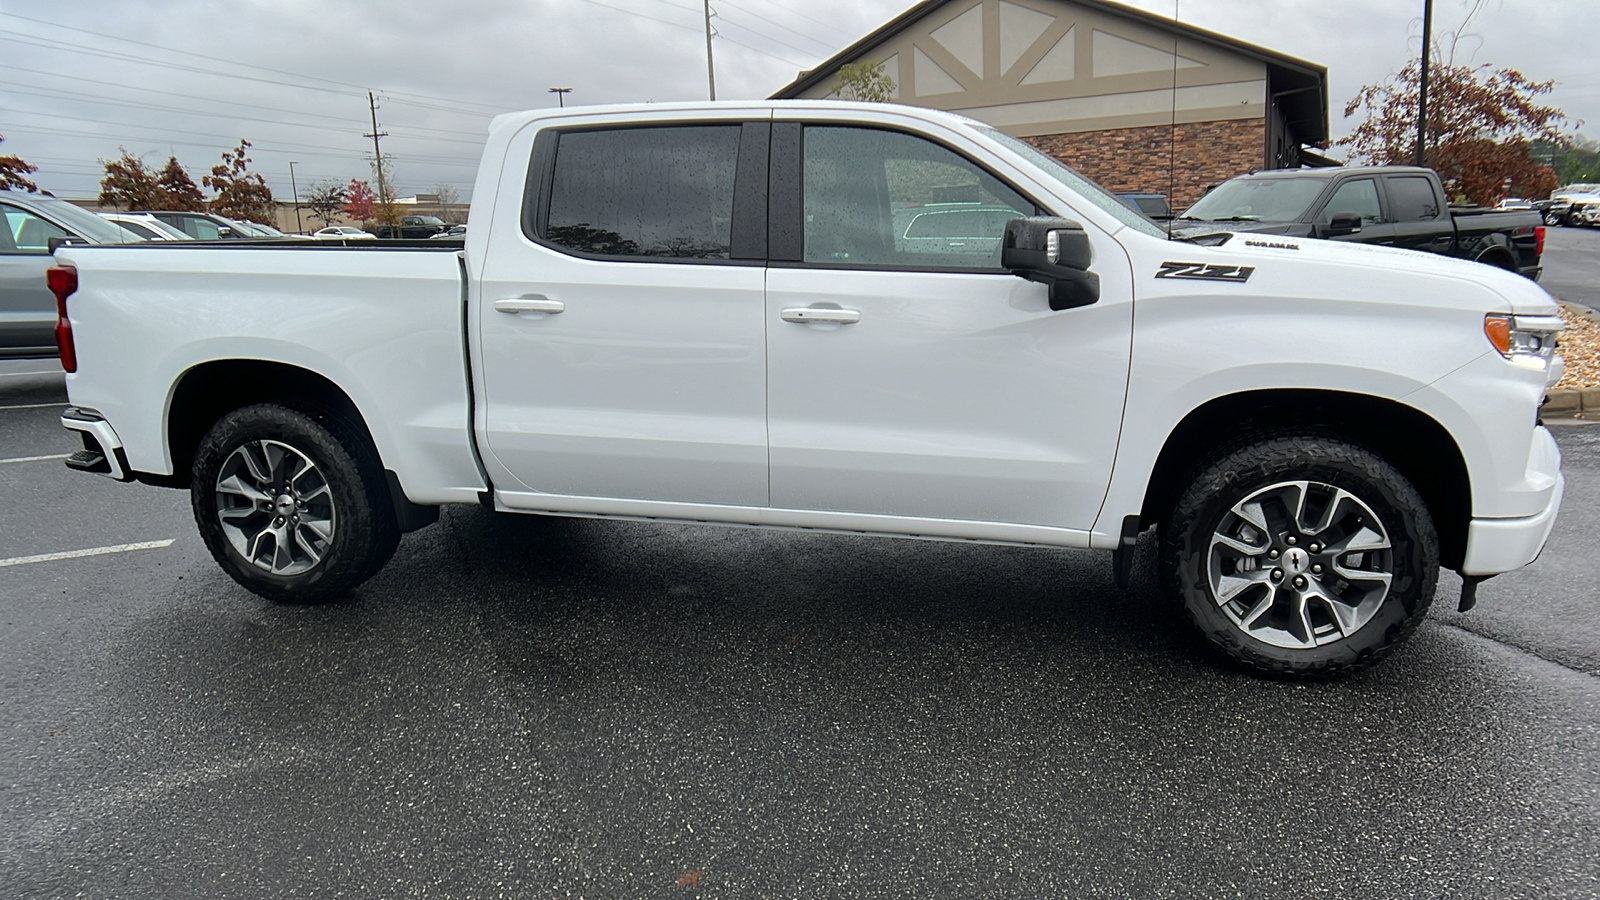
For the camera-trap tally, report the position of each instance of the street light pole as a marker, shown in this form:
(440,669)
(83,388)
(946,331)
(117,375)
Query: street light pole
(298,225)
(1422,102)
(561,95)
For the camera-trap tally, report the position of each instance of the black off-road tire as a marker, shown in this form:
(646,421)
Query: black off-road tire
(364,533)
(1237,472)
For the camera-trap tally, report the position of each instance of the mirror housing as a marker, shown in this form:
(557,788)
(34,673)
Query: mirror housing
(224,231)
(1053,252)
(55,243)
(1343,223)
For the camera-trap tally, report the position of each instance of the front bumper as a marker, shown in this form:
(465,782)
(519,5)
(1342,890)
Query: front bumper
(1505,545)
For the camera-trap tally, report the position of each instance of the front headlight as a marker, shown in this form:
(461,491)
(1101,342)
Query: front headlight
(1526,340)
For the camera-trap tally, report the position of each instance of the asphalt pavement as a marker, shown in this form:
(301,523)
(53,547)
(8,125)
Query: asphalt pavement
(560,708)
(1572,264)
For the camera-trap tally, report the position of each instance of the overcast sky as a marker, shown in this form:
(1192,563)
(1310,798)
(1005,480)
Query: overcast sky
(190,77)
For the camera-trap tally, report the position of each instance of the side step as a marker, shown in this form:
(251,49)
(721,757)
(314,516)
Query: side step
(90,461)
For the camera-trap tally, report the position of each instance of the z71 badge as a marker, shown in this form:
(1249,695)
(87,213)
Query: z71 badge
(1204,272)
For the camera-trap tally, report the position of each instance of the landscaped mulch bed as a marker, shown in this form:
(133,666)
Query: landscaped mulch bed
(1580,347)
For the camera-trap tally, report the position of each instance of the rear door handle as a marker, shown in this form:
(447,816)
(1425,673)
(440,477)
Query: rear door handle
(808,314)
(535,303)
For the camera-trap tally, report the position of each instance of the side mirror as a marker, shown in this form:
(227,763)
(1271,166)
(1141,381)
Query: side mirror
(1343,223)
(1053,252)
(52,244)
(224,231)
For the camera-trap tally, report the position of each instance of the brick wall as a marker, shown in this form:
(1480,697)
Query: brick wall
(1139,159)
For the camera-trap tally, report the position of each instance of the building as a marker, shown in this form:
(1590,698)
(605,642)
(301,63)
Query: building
(1133,100)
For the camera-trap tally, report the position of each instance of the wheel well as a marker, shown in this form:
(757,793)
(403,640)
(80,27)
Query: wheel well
(1413,442)
(211,390)
(1498,256)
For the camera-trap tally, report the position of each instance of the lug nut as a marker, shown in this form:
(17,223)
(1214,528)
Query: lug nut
(1316,569)
(1272,554)
(1299,581)
(1277,574)
(1316,548)
(1290,540)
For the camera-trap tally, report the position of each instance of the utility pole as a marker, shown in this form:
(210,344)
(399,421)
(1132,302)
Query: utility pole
(377,156)
(298,225)
(1422,104)
(711,72)
(561,95)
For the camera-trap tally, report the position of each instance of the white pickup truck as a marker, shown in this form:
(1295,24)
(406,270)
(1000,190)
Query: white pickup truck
(839,317)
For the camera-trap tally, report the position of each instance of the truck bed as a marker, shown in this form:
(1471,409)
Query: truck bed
(383,322)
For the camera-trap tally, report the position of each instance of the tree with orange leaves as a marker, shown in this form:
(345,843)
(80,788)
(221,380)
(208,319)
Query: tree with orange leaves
(1481,122)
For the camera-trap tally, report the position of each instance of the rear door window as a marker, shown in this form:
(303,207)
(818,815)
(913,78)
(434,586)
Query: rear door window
(1412,198)
(656,192)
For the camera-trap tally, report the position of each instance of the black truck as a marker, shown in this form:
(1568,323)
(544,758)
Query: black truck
(412,227)
(1396,206)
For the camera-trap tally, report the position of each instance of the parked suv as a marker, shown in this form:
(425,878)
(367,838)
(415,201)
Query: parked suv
(204,226)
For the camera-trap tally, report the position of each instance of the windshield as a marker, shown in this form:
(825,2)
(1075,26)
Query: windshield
(240,228)
(1257,200)
(1085,188)
(81,222)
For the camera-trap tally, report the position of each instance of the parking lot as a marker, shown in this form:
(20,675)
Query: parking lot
(532,707)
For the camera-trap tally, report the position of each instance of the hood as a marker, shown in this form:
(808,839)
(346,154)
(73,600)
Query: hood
(1520,294)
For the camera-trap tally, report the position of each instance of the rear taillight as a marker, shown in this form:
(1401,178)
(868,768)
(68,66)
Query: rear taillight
(63,280)
(1538,240)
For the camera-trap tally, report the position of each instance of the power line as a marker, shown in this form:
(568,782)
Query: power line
(231,62)
(231,103)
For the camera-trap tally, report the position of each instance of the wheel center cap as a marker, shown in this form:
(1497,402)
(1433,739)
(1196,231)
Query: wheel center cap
(1296,561)
(284,504)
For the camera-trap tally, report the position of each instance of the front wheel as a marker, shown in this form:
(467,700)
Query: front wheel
(1301,555)
(293,506)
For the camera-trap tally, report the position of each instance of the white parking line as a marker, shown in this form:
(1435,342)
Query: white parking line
(33,405)
(33,458)
(93,551)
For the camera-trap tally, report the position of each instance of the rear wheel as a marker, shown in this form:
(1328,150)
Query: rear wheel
(292,505)
(1301,555)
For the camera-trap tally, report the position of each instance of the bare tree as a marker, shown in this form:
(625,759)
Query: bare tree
(449,199)
(326,200)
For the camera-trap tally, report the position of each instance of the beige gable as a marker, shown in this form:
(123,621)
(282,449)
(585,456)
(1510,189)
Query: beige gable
(1038,67)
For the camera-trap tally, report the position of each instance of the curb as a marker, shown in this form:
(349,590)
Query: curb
(1571,401)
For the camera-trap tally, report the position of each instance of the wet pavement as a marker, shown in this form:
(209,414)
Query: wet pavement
(532,707)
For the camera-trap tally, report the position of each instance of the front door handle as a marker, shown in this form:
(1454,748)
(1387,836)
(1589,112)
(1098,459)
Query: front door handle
(808,314)
(535,303)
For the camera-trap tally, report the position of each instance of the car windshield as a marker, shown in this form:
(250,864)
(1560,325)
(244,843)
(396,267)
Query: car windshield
(1085,188)
(1257,200)
(240,227)
(81,222)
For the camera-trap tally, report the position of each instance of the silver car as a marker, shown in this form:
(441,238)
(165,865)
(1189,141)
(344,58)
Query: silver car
(27,308)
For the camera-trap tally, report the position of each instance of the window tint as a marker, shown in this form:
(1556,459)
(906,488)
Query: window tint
(1359,197)
(1412,199)
(889,199)
(655,192)
(28,231)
